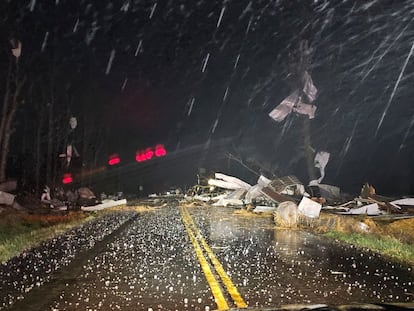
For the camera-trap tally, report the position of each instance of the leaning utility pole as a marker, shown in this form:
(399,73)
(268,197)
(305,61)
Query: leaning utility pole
(301,66)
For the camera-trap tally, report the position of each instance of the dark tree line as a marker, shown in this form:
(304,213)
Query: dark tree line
(39,93)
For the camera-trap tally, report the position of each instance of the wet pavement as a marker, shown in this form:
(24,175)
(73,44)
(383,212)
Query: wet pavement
(155,262)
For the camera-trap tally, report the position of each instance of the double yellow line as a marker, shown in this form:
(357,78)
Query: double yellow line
(197,239)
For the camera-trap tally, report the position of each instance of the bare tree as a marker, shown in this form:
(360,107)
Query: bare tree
(12,100)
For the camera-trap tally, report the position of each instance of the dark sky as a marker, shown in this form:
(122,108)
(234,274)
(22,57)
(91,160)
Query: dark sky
(136,67)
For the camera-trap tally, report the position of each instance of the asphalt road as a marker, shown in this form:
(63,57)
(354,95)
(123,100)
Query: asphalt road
(205,258)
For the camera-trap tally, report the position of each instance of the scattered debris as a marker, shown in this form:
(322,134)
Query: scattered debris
(309,208)
(330,194)
(16,48)
(6,198)
(292,103)
(284,189)
(371,204)
(264,209)
(233,199)
(105,204)
(320,162)
(45,197)
(228,182)
(287,198)
(254,193)
(86,197)
(406,201)
(299,101)
(286,214)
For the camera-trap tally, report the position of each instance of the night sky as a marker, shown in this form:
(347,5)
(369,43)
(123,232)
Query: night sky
(202,76)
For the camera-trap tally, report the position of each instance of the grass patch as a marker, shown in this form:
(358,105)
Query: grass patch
(18,234)
(387,246)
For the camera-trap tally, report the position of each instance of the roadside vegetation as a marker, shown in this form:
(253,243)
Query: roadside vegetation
(19,232)
(387,246)
(389,237)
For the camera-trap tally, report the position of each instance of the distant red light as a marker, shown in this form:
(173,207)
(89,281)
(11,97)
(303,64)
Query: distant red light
(160,151)
(149,154)
(67,179)
(139,157)
(114,159)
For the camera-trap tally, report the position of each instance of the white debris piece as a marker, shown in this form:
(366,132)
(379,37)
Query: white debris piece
(309,88)
(288,211)
(73,123)
(45,197)
(295,189)
(104,204)
(370,209)
(309,208)
(16,48)
(70,153)
(233,180)
(281,111)
(320,162)
(6,198)
(254,191)
(263,181)
(218,197)
(234,198)
(223,184)
(292,103)
(305,109)
(264,209)
(406,201)
(203,198)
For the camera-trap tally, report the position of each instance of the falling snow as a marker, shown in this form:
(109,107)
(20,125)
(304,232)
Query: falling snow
(359,73)
(153,10)
(45,41)
(395,88)
(223,65)
(205,62)
(139,47)
(32,5)
(111,59)
(191,104)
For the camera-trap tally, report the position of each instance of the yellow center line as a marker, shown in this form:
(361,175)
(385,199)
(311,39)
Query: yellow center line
(231,288)
(212,282)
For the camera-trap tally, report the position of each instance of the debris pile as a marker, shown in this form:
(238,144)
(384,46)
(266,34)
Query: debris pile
(55,201)
(289,198)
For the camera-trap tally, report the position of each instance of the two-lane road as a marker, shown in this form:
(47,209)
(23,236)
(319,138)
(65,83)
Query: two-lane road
(205,258)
